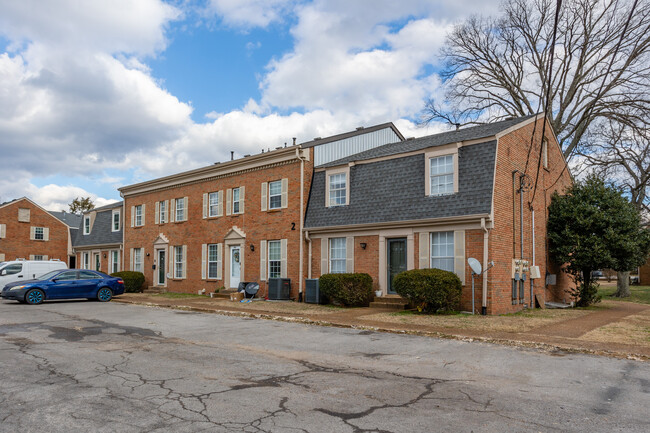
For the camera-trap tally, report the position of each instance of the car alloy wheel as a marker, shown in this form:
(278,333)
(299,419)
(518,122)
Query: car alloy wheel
(34,296)
(105,294)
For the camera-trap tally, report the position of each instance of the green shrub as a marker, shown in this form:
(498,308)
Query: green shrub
(133,281)
(429,290)
(351,290)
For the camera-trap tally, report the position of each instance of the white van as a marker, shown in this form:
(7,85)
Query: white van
(23,270)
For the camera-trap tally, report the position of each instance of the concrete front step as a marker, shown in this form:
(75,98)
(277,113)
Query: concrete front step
(223,294)
(154,289)
(380,303)
(391,300)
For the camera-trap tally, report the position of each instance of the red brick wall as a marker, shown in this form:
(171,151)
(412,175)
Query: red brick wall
(256,224)
(367,261)
(103,261)
(644,273)
(512,154)
(17,244)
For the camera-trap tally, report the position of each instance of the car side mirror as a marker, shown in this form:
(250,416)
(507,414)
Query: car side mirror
(55,280)
(4,272)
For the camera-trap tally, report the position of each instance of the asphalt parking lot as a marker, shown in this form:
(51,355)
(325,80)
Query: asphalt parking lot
(85,366)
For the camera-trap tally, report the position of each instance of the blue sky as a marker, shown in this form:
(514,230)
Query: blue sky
(97,95)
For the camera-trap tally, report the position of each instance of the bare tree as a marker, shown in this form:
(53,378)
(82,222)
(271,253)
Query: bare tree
(621,153)
(496,68)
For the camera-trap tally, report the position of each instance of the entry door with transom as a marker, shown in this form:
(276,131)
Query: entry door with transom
(161,267)
(396,258)
(235,267)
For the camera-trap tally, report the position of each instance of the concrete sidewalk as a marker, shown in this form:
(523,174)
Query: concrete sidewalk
(559,336)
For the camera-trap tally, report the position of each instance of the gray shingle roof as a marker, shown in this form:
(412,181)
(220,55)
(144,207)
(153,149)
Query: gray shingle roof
(464,134)
(394,190)
(110,206)
(70,219)
(101,233)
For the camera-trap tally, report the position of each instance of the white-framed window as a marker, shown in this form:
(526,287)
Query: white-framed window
(337,189)
(162,212)
(39,233)
(116,221)
(138,215)
(275,196)
(213,261)
(137,259)
(38,257)
(275,259)
(213,204)
(86,260)
(180,209)
(337,255)
(178,262)
(442,175)
(115,261)
(545,153)
(97,262)
(442,250)
(87,225)
(235,200)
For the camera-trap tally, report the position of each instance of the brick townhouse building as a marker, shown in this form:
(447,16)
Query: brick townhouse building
(99,239)
(28,231)
(438,200)
(233,221)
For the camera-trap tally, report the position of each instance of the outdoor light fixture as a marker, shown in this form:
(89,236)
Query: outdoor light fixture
(104,255)
(252,247)
(363,245)
(147,254)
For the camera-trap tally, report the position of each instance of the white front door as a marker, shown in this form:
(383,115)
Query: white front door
(235,266)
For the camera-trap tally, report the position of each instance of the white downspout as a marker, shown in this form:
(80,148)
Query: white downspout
(302,216)
(308,239)
(532,291)
(485,265)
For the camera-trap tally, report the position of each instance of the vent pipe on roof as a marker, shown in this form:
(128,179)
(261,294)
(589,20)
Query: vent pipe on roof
(285,144)
(294,141)
(359,128)
(457,126)
(232,155)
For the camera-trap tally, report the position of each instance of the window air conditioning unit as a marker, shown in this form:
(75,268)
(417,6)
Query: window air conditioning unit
(279,289)
(313,294)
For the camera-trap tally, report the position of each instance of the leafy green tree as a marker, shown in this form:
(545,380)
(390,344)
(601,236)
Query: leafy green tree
(593,227)
(81,204)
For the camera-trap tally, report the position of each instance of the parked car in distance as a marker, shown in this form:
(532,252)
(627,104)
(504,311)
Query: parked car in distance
(22,270)
(65,284)
(596,275)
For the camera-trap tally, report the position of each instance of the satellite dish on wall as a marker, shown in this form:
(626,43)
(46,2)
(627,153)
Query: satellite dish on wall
(475,265)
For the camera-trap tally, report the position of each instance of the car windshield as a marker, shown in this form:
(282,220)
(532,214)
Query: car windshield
(48,275)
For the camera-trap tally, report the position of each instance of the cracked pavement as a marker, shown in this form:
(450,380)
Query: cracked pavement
(86,366)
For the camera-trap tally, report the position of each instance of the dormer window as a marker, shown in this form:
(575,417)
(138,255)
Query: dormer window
(337,187)
(116,220)
(441,175)
(87,225)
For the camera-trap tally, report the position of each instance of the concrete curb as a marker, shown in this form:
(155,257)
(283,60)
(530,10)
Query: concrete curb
(545,347)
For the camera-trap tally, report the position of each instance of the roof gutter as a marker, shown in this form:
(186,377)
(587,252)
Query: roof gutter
(408,223)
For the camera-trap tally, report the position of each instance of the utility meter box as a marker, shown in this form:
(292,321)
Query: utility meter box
(534,272)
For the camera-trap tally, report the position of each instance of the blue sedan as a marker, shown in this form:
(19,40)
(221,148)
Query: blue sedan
(65,284)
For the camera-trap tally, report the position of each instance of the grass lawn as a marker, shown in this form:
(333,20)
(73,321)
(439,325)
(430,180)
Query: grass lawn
(639,294)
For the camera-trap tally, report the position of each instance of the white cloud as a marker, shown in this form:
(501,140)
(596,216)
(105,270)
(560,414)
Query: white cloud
(110,26)
(250,13)
(77,97)
(51,197)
